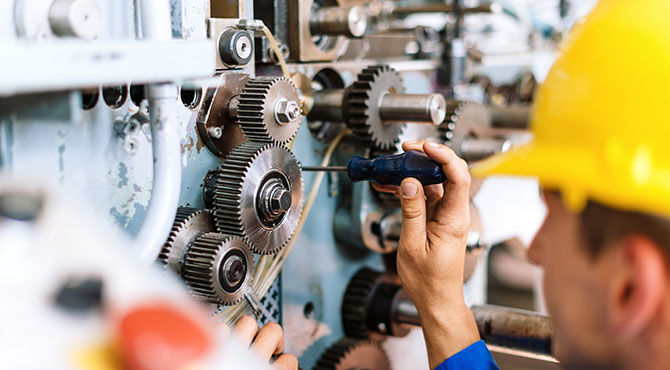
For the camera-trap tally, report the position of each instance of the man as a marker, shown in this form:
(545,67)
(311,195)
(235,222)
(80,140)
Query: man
(601,155)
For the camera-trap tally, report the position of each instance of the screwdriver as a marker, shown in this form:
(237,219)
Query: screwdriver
(391,169)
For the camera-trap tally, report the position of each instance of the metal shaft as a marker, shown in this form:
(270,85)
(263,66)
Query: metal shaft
(513,117)
(474,149)
(446,8)
(416,108)
(503,326)
(338,21)
(327,106)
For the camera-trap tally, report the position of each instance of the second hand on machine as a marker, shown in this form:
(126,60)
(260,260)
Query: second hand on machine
(391,169)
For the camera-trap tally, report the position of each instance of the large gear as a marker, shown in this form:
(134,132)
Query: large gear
(348,353)
(189,222)
(217,268)
(362,100)
(259,195)
(268,110)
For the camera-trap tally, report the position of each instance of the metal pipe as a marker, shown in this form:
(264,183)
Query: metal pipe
(338,21)
(512,117)
(166,186)
(327,106)
(418,108)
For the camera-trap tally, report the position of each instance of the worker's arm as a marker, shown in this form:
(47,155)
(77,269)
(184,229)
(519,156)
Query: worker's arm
(431,253)
(266,343)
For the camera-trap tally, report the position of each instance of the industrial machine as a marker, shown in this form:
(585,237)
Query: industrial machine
(186,124)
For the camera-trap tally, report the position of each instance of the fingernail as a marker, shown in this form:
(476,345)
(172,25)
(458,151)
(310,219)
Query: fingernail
(433,145)
(410,142)
(408,189)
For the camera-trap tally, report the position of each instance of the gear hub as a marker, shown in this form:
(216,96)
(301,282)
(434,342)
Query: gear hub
(258,195)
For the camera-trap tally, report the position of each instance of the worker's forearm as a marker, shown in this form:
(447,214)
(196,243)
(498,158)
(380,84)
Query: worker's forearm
(447,332)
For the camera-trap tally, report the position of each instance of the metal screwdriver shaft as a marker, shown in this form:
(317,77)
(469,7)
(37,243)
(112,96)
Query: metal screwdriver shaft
(326,169)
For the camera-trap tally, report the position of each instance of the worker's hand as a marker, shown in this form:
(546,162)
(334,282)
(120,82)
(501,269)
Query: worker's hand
(265,343)
(431,251)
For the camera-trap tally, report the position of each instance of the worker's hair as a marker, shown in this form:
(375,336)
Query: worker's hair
(602,226)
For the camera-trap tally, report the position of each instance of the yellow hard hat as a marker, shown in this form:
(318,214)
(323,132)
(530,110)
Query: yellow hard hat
(601,120)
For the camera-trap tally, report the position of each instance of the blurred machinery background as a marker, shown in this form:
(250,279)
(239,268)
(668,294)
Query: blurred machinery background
(185,124)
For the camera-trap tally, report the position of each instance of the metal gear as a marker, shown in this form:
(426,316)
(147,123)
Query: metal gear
(348,353)
(217,268)
(467,121)
(268,110)
(355,302)
(189,222)
(362,101)
(259,195)
(446,128)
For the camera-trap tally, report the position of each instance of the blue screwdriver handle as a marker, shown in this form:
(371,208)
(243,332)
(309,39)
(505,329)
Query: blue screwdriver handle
(392,169)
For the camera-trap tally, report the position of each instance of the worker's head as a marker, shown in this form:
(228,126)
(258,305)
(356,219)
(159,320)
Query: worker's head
(600,151)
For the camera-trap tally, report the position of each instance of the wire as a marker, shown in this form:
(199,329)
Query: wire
(277,51)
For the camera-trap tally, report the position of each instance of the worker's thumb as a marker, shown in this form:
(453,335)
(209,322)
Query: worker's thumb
(413,211)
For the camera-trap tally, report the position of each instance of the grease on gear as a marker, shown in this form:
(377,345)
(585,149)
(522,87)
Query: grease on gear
(189,223)
(269,110)
(259,195)
(362,101)
(348,353)
(217,268)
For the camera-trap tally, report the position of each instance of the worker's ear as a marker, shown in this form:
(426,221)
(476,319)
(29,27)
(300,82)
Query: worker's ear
(639,291)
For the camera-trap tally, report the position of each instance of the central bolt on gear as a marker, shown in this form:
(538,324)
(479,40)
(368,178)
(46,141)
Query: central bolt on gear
(259,195)
(350,353)
(362,106)
(217,268)
(268,110)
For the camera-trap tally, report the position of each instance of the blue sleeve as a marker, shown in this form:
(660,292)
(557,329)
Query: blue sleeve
(473,357)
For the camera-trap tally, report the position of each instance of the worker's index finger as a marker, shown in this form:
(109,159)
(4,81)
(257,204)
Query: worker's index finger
(455,168)
(413,145)
(453,208)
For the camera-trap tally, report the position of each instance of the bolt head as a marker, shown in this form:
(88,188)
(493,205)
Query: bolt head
(286,111)
(215,132)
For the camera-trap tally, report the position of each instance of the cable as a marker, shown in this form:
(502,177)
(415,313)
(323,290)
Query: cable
(278,54)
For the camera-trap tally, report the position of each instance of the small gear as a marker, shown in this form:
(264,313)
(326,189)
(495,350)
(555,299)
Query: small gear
(217,268)
(269,110)
(188,223)
(362,101)
(348,353)
(355,302)
(446,128)
(468,120)
(259,195)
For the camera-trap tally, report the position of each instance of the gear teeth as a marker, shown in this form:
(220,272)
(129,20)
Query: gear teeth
(355,302)
(446,128)
(228,207)
(362,113)
(251,116)
(183,217)
(349,353)
(200,268)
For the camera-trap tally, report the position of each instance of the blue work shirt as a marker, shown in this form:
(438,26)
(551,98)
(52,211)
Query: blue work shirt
(473,357)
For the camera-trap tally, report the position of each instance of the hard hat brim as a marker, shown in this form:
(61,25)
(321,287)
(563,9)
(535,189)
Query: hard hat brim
(580,175)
